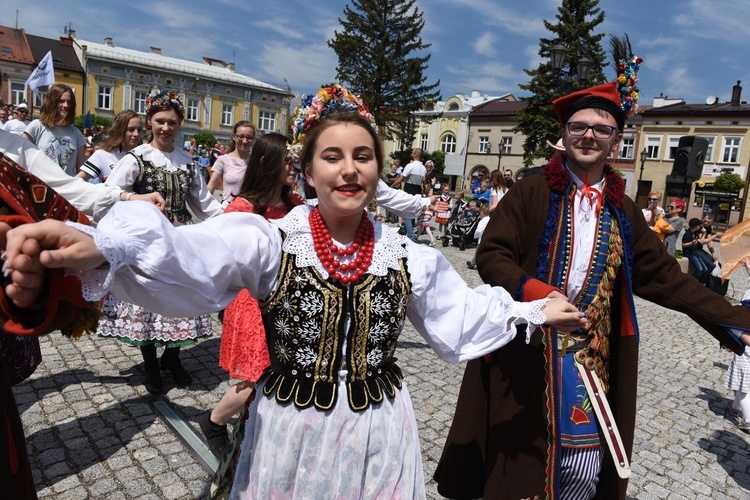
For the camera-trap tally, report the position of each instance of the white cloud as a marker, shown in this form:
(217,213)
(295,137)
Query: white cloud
(304,69)
(485,44)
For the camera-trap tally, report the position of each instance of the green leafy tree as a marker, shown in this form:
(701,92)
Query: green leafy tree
(95,120)
(381,58)
(728,182)
(576,22)
(205,139)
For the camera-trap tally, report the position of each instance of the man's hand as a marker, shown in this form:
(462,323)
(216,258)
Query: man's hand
(61,246)
(25,272)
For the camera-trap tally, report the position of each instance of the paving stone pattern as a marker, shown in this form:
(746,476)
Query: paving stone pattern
(92,433)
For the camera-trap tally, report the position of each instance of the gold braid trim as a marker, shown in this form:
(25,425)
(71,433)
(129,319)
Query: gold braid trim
(598,314)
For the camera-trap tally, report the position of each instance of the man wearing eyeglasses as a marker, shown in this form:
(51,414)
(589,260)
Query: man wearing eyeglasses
(552,415)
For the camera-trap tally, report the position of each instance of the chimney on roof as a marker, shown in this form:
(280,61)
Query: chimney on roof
(108,41)
(66,42)
(230,67)
(154,50)
(736,94)
(71,33)
(475,93)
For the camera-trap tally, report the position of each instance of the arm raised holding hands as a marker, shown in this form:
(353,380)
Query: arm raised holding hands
(32,247)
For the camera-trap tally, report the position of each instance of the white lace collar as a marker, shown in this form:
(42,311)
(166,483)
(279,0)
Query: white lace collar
(389,245)
(171,161)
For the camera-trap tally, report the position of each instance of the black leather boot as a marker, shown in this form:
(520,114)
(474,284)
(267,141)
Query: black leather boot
(151,369)
(170,360)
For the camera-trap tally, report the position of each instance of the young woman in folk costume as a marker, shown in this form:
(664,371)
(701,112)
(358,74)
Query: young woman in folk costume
(159,166)
(333,416)
(266,190)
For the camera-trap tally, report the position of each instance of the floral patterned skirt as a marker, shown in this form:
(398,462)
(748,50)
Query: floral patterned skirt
(136,325)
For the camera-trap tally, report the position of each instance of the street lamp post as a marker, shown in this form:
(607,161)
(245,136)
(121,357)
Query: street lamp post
(644,156)
(582,67)
(499,154)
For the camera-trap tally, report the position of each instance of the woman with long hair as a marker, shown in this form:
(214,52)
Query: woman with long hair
(54,133)
(333,417)
(160,166)
(498,188)
(266,190)
(229,169)
(124,134)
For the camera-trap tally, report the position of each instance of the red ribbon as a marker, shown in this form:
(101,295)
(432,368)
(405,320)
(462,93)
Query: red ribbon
(587,192)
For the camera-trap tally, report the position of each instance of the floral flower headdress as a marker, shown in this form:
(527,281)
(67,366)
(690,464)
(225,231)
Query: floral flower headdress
(627,83)
(331,98)
(165,98)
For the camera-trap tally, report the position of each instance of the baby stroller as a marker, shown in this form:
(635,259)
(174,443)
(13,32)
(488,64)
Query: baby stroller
(461,229)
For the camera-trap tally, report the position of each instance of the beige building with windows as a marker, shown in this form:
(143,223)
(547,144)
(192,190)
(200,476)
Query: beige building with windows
(215,96)
(493,144)
(726,127)
(445,127)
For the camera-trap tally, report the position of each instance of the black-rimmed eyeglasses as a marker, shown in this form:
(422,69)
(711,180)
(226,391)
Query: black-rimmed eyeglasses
(579,129)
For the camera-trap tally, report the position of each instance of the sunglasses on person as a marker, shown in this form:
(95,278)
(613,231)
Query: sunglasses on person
(670,207)
(653,199)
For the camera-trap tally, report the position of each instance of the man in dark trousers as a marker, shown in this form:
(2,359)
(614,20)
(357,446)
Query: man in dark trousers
(555,417)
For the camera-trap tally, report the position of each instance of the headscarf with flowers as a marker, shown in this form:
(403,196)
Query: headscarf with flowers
(165,98)
(331,98)
(627,83)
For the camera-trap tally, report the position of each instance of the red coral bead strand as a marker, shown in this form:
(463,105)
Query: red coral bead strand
(328,252)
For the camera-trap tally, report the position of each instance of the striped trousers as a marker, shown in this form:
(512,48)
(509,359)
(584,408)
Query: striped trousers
(579,472)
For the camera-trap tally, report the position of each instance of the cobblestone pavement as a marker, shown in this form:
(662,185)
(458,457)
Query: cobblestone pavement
(92,432)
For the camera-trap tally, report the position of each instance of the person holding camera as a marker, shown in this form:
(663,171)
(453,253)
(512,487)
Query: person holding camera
(653,211)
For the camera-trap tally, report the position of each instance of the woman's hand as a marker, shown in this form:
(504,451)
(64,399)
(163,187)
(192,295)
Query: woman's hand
(563,315)
(153,198)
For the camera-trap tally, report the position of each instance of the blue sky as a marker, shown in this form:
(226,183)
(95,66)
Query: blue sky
(692,48)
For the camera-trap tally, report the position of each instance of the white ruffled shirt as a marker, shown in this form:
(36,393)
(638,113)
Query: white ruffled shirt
(197,269)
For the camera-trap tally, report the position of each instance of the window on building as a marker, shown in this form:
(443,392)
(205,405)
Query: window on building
(453,106)
(139,101)
(710,150)
(448,144)
(104,97)
(39,97)
(267,121)
(484,144)
(227,114)
(627,147)
(672,144)
(192,108)
(730,152)
(653,144)
(423,142)
(506,144)
(17,93)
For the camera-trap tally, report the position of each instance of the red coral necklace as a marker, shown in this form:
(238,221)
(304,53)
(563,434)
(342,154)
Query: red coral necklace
(360,251)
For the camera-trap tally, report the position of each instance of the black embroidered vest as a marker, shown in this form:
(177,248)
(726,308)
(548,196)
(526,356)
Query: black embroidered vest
(173,186)
(305,318)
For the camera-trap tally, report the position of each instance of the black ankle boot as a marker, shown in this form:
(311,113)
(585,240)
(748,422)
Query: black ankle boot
(170,360)
(151,369)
